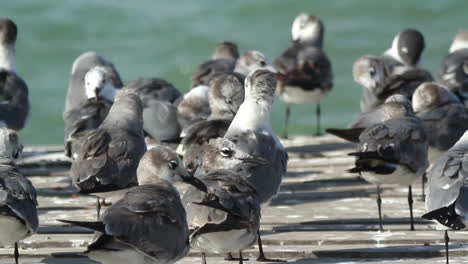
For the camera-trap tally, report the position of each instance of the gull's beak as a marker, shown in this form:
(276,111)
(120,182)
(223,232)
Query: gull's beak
(195,182)
(255,160)
(271,68)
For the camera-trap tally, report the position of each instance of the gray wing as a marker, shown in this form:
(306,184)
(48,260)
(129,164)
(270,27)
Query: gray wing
(80,120)
(207,70)
(234,197)
(369,118)
(403,83)
(107,162)
(150,218)
(150,89)
(19,195)
(76,94)
(454,70)
(160,121)
(400,139)
(265,179)
(313,70)
(445,125)
(446,178)
(287,61)
(159,112)
(14,105)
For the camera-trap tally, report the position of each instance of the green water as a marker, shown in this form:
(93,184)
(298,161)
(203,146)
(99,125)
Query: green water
(168,39)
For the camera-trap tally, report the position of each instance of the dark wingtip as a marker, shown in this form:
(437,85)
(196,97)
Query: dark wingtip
(354,170)
(348,134)
(96,226)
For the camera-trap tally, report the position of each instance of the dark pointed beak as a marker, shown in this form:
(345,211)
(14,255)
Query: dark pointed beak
(255,161)
(195,182)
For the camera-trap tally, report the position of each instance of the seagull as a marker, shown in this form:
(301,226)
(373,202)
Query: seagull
(454,68)
(226,94)
(149,224)
(18,203)
(227,219)
(447,194)
(14,100)
(407,47)
(106,162)
(382,77)
(251,131)
(305,68)
(93,84)
(393,152)
(159,110)
(445,117)
(252,60)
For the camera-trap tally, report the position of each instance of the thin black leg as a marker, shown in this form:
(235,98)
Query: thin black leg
(203,257)
(410,203)
(447,240)
(379,207)
(261,254)
(318,115)
(423,185)
(241,259)
(98,207)
(16,253)
(286,120)
(230,257)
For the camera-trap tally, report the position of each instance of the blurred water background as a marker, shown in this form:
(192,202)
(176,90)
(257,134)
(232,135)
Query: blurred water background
(168,39)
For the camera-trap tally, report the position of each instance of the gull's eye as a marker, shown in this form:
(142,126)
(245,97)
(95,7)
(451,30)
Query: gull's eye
(262,63)
(173,164)
(372,71)
(226,152)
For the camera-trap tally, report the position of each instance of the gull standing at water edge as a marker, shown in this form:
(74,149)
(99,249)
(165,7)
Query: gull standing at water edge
(149,224)
(18,204)
(106,162)
(14,100)
(306,69)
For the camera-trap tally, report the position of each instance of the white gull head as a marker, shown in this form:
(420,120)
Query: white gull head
(8,35)
(460,41)
(98,84)
(308,28)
